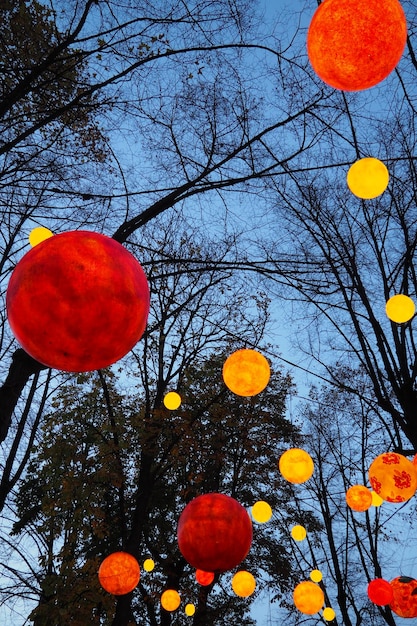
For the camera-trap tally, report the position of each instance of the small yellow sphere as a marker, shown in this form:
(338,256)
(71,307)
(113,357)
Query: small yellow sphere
(246,372)
(298,533)
(172,400)
(170,600)
(400,308)
(368,178)
(243,584)
(261,512)
(148,565)
(316,575)
(329,614)
(189,609)
(296,465)
(376,499)
(308,597)
(39,234)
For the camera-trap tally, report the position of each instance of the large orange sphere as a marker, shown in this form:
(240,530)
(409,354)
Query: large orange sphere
(243,584)
(246,372)
(214,532)
(308,597)
(119,573)
(78,301)
(355,44)
(393,477)
(404,603)
(359,498)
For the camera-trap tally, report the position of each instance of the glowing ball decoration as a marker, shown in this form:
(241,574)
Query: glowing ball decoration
(261,512)
(367,178)
(119,573)
(329,614)
(393,477)
(308,597)
(214,532)
(404,603)
(296,465)
(400,308)
(376,499)
(170,600)
(149,565)
(353,45)
(243,584)
(204,578)
(298,532)
(38,234)
(172,400)
(189,609)
(78,301)
(359,498)
(380,592)
(246,372)
(316,575)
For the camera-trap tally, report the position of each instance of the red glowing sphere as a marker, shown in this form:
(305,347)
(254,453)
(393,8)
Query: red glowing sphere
(204,578)
(404,590)
(354,45)
(380,592)
(214,532)
(119,573)
(78,301)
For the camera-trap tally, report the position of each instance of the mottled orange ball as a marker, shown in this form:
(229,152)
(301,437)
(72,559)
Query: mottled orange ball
(359,498)
(246,372)
(119,573)
(393,477)
(308,597)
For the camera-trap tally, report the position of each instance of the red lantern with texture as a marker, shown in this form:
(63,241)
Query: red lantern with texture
(78,301)
(354,45)
(393,477)
(119,573)
(214,532)
(404,602)
(380,592)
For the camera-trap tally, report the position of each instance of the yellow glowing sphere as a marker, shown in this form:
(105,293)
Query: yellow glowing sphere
(400,308)
(308,597)
(316,575)
(329,614)
(189,609)
(368,178)
(298,533)
(170,600)
(376,499)
(296,465)
(261,512)
(246,372)
(38,234)
(148,565)
(243,584)
(172,400)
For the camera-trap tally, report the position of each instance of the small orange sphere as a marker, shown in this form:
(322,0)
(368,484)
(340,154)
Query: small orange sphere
(393,477)
(354,45)
(246,372)
(359,498)
(404,603)
(119,573)
(204,578)
(296,465)
(308,597)
(243,584)
(170,600)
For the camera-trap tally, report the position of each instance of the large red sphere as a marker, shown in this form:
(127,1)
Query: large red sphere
(78,301)
(354,44)
(404,603)
(214,532)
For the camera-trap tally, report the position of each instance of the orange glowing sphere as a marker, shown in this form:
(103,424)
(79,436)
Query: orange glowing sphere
(204,578)
(354,45)
(393,477)
(400,308)
(359,498)
(246,372)
(404,603)
(261,512)
(78,301)
(296,465)
(308,597)
(367,178)
(380,592)
(119,573)
(214,532)
(243,584)
(170,600)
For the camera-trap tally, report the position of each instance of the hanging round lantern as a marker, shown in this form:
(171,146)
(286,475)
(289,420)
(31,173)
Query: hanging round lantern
(38,234)
(148,565)
(354,45)
(189,609)
(243,584)
(376,499)
(329,614)
(261,512)
(316,576)
(359,498)
(204,578)
(78,301)
(404,602)
(214,532)
(308,597)
(296,465)
(400,308)
(172,400)
(380,592)
(170,600)
(246,372)
(367,178)
(298,532)
(119,573)
(393,477)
